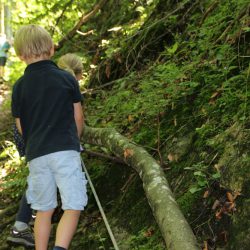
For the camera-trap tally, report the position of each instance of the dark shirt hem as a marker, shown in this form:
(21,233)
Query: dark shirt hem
(48,150)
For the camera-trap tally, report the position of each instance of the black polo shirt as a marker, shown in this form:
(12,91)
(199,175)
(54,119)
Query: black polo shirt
(43,100)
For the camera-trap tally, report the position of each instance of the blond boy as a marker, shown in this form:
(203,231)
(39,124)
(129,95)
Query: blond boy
(46,103)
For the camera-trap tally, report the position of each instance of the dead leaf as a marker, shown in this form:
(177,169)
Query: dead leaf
(230,197)
(236,194)
(130,118)
(128,153)
(214,94)
(171,157)
(206,194)
(216,204)
(172,105)
(229,207)
(205,246)
(223,235)
(217,167)
(96,57)
(149,233)
(212,102)
(175,121)
(108,70)
(118,58)
(218,214)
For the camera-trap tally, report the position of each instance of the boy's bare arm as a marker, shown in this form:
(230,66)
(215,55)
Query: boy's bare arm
(18,125)
(79,118)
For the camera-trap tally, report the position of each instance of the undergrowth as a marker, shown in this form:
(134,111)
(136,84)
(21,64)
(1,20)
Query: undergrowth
(198,85)
(177,83)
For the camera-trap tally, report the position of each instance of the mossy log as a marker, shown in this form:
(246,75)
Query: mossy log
(174,227)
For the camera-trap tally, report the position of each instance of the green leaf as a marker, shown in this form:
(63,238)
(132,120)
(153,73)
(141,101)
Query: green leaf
(199,173)
(140,9)
(216,176)
(202,183)
(173,49)
(194,189)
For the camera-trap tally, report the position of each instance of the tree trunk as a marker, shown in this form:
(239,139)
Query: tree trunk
(174,227)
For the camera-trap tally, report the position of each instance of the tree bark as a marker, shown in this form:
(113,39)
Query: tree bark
(174,227)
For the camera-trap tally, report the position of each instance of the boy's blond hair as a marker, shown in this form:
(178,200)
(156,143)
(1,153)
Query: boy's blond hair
(71,63)
(32,41)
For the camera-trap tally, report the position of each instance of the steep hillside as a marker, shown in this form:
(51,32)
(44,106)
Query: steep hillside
(180,87)
(172,76)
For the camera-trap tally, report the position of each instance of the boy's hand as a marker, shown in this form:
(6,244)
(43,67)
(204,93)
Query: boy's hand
(79,119)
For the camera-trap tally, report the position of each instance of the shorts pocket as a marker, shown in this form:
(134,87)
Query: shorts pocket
(74,193)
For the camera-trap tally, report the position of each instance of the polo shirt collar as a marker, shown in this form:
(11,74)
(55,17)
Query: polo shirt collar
(39,65)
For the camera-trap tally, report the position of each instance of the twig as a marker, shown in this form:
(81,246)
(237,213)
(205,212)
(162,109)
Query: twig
(129,180)
(159,139)
(178,183)
(209,10)
(62,13)
(108,157)
(224,33)
(90,32)
(83,19)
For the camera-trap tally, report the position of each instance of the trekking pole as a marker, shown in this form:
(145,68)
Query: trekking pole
(111,235)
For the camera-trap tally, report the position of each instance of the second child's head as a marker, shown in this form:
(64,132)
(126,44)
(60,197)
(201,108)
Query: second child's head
(33,43)
(71,63)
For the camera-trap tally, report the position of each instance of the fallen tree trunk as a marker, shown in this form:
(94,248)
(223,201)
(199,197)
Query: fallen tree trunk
(174,227)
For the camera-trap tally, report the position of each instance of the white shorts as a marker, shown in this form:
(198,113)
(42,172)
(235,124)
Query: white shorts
(60,169)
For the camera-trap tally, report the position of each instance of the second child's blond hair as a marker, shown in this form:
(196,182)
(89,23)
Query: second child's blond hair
(71,63)
(32,41)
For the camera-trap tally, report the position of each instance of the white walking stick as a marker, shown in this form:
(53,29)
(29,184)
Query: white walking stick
(100,208)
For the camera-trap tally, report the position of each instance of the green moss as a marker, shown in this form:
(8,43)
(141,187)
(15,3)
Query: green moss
(145,239)
(187,202)
(240,230)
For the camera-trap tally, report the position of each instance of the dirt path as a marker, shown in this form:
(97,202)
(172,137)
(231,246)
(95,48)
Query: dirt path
(7,208)
(5,113)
